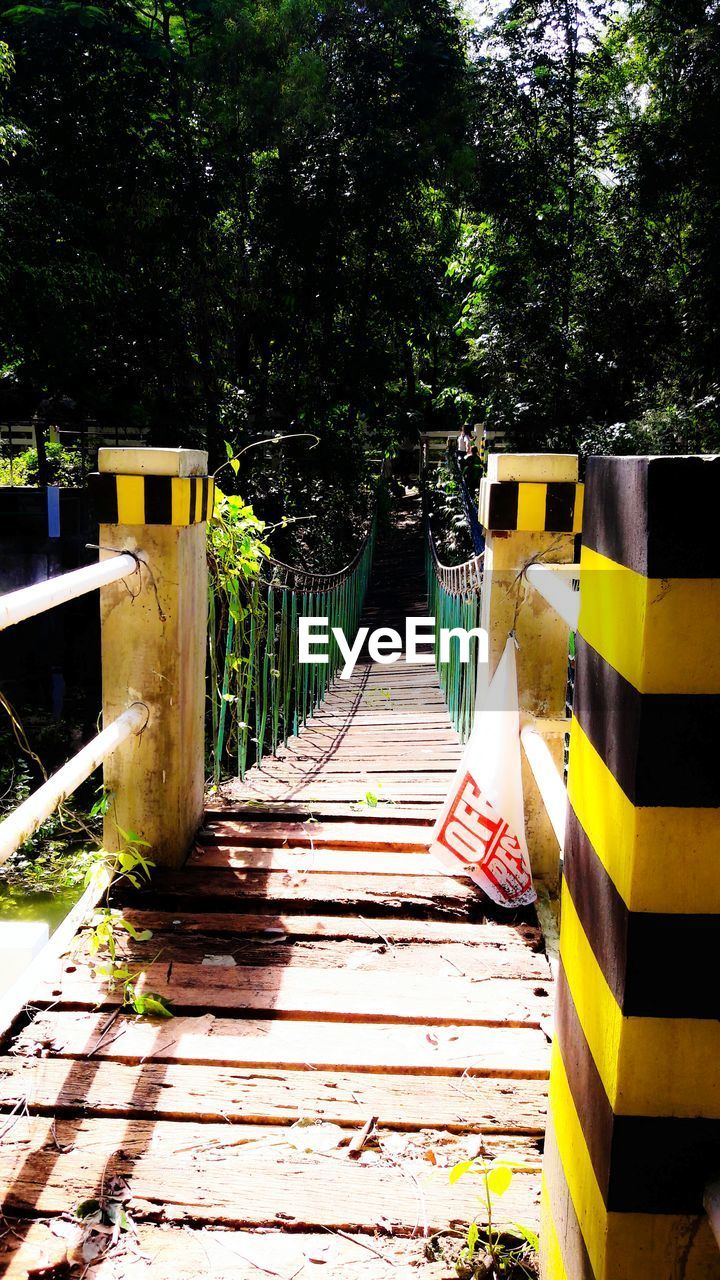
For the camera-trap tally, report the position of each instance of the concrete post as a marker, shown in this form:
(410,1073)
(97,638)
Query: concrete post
(156,502)
(531,506)
(634,1127)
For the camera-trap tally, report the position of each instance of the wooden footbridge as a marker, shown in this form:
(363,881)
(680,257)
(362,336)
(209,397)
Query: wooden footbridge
(350,1021)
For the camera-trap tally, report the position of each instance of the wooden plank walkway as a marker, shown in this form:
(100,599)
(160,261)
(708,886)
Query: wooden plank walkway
(323,972)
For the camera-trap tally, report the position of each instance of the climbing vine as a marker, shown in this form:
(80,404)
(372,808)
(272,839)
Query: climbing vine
(237,551)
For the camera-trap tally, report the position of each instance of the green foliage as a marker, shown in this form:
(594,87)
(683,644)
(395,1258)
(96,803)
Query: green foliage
(228,215)
(449,522)
(130,864)
(64,467)
(236,546)
(490,1253)
(222,219)
(237,551)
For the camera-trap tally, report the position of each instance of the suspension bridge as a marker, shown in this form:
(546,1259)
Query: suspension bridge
(351,1020)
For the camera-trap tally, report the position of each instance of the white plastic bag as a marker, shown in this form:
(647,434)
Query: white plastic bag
(481,827)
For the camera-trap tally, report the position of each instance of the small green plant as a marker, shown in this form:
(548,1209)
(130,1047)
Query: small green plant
(107,1227)
(129,863)
(490,1253)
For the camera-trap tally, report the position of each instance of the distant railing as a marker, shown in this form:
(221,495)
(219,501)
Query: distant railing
(454,600)
(260,691)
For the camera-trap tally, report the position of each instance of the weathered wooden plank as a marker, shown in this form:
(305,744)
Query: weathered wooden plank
(321,893)
(366,746)
(360,740)
(284,766)
(51,1248)
(50,1086)
(350,740)
(304,858)
(410,786)
(374,695)
(360,763)
(315,791)
(315,993)
(316,835)
(313,926)
(503,1052)
(227,809)
(478,963)
(362,752)
(236,1176)
(386,718)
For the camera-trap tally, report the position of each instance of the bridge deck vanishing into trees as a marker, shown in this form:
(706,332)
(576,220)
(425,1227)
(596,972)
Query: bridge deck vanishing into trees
(329,983)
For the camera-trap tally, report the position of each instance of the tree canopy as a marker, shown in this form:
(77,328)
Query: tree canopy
(224,217)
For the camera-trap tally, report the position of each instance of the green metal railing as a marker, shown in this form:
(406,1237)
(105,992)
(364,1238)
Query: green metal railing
(454,594)
(261,692)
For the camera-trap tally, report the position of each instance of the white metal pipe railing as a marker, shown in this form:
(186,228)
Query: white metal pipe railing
(16,606)
(548,779)
(23,821)
(558,584)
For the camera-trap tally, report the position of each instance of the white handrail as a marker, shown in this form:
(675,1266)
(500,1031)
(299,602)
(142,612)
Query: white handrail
(16,606)
(23,821)
(549,781)
(555,583)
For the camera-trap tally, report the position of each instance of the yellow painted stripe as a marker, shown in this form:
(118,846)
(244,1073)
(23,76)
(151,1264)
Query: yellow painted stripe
(651,1246)
(579,504)
(180,501)
(211,498)
(198,502)
(648,1066)
(659,859)
(131,499)
(531,507)
(579,1174)
(553,1266)
(660,634)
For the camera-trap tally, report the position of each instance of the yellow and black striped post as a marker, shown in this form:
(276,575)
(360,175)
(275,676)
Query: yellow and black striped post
(530,509)
(634,1121)
(155,503)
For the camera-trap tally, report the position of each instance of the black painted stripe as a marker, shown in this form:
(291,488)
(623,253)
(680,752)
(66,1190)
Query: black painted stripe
(158,499)
(560,507)
(657,516)
(662,1165)
(643,1164)
(600,908)
(572,1244)
(193,498)
(103,495)
(204,500)
(661,748)
(503,513)
(687,986)
(588,1092)
(656,965)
